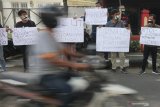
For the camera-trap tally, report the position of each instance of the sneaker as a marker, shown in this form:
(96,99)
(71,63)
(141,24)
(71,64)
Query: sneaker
(156,72)
(123,70)
(26,70)
(142,72)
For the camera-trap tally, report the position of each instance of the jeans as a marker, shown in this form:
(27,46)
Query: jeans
(2,60)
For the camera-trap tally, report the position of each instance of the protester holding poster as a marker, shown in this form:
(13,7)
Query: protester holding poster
(150,49)
(94,27)
(116,22)
(2,60)
(25,22)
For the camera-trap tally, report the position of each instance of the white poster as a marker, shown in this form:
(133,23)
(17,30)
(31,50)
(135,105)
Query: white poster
(96,16)
(25,36)
(70,30)
(112,39)
(150,36)
(3,37)
(78,22)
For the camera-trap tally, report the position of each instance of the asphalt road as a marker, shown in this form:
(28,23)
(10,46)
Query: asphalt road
(147,85)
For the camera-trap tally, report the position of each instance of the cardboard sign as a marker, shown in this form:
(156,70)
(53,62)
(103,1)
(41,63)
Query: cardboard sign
(150,36)
(70,30)
(3,37)
(96,16)
(112,39)
(25,36)
(78,22)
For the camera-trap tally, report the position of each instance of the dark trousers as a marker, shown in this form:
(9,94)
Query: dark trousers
(93,34)
(147,51)
(58,84)
(23,49)
(106,55)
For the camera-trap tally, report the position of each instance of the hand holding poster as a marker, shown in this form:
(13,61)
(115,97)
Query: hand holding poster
(25,36)
(96,16)
(150,36)
(70,30)
(112,39)
(3,37)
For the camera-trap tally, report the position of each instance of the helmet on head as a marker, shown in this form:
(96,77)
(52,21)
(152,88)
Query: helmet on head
(49,15)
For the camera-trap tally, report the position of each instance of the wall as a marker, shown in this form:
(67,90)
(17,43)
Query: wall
(72,10)
(8,13)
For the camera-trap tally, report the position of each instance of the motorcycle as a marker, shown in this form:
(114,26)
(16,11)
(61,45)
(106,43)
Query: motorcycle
(22,90)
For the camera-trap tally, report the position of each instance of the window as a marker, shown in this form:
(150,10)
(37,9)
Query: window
(15,5)
(23,5)
(18,6)
(57,4)
(40,5)
(49,4)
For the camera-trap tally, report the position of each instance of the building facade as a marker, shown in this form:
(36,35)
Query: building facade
(136,9)
(9,9)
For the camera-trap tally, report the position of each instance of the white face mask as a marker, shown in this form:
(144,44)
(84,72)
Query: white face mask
(117,17)
(24,17)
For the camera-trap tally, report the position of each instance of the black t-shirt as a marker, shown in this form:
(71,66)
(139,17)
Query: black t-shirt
(28,24)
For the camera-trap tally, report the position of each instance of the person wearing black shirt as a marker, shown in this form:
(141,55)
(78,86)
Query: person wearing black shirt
(25,22)
(149,49)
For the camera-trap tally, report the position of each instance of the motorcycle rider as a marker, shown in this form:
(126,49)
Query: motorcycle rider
(48,54)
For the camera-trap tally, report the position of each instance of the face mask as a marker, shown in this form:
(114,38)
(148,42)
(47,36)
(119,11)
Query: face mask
(150,22)
(117,17)
(24,17)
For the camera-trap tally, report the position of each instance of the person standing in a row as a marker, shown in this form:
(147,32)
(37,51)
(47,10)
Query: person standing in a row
(25,22)
(94,27)
(117,23)
(2,60)
(148,49)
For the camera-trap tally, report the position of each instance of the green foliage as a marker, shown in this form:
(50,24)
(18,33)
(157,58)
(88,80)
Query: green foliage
(134,46)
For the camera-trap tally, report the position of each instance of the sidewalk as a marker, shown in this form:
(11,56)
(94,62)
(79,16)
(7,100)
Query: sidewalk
(133,60)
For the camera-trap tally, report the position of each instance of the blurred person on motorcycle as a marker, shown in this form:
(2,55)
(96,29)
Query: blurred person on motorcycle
(47,57)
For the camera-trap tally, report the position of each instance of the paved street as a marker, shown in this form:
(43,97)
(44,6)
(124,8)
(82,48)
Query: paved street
(148,85)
